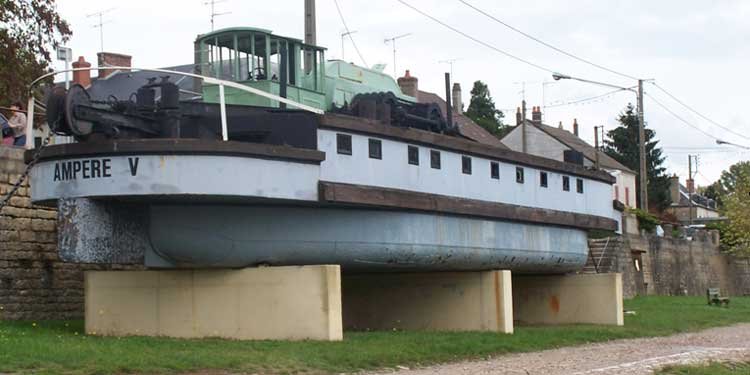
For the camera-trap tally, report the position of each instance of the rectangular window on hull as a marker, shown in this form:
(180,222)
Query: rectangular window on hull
(466,164)
(344,144)
(543,179)
(376,149)
(566,183)
(413,155)
(519,175)
(494,170)
(435,159)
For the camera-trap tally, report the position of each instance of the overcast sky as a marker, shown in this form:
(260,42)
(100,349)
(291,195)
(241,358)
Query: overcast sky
(698,50)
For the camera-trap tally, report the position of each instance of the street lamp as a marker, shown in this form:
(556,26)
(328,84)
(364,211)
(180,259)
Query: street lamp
(641,130)
(720,142)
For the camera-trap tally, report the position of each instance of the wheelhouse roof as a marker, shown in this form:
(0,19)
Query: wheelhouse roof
(225,36)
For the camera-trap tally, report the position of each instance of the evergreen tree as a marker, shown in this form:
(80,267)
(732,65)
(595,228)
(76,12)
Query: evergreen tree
(483,112)
(622,145)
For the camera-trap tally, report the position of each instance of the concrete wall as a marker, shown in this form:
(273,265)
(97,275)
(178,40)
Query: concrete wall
(34,283)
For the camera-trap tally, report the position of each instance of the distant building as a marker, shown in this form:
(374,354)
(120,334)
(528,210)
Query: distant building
(557,143)
(703,209)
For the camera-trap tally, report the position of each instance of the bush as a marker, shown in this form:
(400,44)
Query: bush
(646,221)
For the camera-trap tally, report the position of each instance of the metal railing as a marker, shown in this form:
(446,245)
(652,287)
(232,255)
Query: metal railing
(32,103)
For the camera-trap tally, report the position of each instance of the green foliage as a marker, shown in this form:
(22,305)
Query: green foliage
(646,220)
(61,347)
(727,183)
(713,368)
(735,234)
(30,30)
(622,145)
(483,112)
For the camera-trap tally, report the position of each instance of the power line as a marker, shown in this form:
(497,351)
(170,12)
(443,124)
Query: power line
(578,101)
(698,113)
(349,33)
(475,39)
(680,118)
(545,43)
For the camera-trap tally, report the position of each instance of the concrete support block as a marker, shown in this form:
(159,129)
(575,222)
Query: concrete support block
(451,301)
(282,303)
(569,299)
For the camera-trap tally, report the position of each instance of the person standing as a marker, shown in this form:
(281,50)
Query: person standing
(17,122)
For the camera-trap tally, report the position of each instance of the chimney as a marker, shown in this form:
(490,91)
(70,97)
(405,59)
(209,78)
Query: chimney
(536,115)
(674,189)
(409,85)
(82,77)
(575,127)
(112,59)
(559,125)
(690,184)
(458,105)
(518,116)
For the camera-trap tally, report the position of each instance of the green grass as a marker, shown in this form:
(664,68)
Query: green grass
(60,347)
(714,368)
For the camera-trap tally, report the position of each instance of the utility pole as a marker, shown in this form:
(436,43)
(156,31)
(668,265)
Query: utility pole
(690,184)
(523,126)
(212,3)
(311,34)
(642,149)
(596,144)
(393,43)
(344,35)
(100,25)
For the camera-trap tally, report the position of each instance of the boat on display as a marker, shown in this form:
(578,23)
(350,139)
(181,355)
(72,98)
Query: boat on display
(288,159)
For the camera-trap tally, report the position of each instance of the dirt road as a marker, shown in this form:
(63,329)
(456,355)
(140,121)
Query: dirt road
(637,356)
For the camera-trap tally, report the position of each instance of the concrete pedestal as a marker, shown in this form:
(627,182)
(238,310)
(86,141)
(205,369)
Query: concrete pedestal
(568,299)
(285,303)
(453,301)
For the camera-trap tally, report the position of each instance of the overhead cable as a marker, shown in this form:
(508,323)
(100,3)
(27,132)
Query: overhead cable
(475,39)
(545,43)
(578,101)
(349,33)
(679,117)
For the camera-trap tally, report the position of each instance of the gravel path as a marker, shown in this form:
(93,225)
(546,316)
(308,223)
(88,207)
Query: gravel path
(636,356)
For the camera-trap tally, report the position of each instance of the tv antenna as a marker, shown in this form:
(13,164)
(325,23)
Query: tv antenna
(100,25)
(393,43)
(212,3)
(450,62)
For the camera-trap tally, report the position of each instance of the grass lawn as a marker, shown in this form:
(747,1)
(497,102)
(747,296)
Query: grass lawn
(61,347)
(715,368)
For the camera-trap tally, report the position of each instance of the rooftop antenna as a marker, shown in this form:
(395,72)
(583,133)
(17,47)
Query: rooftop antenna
(449,62)
(393,43)
(212,3)
(100,25)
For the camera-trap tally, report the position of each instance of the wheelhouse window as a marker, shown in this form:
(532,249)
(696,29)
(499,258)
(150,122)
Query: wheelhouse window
(344,144)
(435,159)
(494,170)
(519,175)
(376,148)
(566,183)
(413,155)
(466,164)
(543,179)
(579,185)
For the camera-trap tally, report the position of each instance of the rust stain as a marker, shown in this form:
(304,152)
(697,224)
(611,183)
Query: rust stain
(554,304)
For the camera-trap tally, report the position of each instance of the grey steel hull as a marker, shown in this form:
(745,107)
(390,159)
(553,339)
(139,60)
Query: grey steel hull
(357,239)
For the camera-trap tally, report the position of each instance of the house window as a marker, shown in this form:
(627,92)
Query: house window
(566,183)
(344,144)
(519,175)
(413,155)
(627,196)
(466,164)
(435,159)
(376,149)
(579,185)
(494,170)
(543,179)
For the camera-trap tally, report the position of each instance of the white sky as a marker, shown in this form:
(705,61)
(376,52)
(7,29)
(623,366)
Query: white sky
(698,50)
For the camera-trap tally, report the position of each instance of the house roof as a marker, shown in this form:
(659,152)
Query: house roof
(466,126)
(698,199)
(575,143)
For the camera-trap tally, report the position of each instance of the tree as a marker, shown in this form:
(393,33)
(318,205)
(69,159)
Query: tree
(622,145)
(736,231)
(30,29)
(727,183)
(483,112)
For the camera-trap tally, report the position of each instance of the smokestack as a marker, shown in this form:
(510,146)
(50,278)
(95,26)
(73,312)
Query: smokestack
(82,77)
(106,59)
(674,189)
(458,105)
(559,125)
(536,115)
(310,32)
(575,127)
(409,85)
(519,116)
